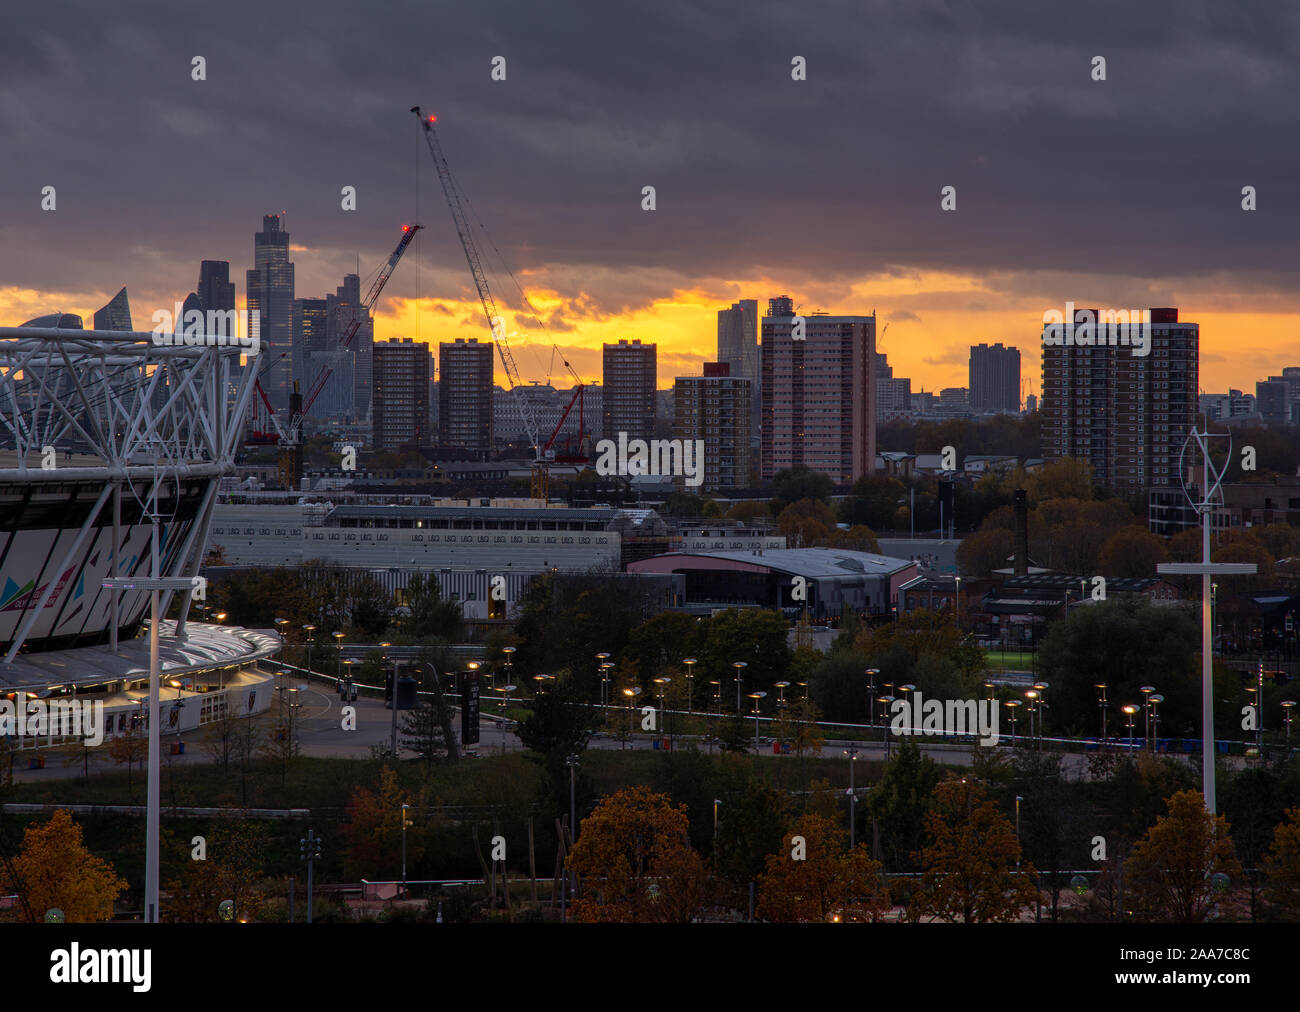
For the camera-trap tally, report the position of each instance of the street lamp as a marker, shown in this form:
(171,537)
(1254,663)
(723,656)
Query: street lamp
(510,665)
(1146,691)
(781,687)
(1012,704)
(871,674)
(852,753)
(280,623)
(1155,700)
(1018,800)
(338,642)
(309,635)
(1101,704)
(1032,709)
(884,702)
(630,694)
(405,823)
(603,665)
(1041,688)
(1130,709)
(956,612)
(740,667)
(662,684)
(756,696)
(690,680)
(1287,706)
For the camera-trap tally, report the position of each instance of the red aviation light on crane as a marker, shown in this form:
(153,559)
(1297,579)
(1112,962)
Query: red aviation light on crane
(433,119)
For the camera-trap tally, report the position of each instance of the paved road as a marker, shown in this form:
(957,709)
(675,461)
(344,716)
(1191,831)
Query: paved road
(318,724)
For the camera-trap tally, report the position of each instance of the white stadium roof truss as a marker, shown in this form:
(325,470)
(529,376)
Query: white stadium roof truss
(136,415)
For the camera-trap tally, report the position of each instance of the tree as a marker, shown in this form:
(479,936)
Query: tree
(811,878)
(431,617)
(231,870)
(752,825)
(56,870)
(1134,642)
(797,483)
(806,523)
(899,803)
(423,730)
(1132,551)
(1171,869)
(374,829)
(986,550)
(129,748)
(969,871)
(1283,866)
(635,862)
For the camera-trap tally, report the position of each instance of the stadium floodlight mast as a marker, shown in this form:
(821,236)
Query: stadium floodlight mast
(1212,479)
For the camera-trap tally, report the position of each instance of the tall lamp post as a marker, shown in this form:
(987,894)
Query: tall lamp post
(309,636)
(1206,570)
(740,667)
(603,666)
(756,696)
(690,681)
(1012,705)
(1041,688)
(1101,705)
(338,642)
(871,693)
(1287,706)
(662,687)
(405,822)
(1155,700)
(1146,691)
(852,753)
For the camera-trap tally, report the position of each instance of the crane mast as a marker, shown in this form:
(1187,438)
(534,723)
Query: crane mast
(496,322)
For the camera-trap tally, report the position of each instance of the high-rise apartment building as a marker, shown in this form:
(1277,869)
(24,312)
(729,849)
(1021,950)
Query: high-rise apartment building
(270,295)
(715,408)
(818,392)
(401,394)
(994,378)
(465,395)
(1127,415)
(629,378)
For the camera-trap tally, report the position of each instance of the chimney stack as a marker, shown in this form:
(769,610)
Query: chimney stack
(1022,533)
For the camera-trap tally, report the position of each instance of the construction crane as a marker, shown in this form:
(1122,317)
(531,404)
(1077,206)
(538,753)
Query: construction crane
(542,455)
(290,459)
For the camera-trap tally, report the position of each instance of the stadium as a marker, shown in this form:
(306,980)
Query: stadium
(105,435)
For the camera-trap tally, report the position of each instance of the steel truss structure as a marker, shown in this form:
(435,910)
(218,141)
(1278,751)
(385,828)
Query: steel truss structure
(102,420)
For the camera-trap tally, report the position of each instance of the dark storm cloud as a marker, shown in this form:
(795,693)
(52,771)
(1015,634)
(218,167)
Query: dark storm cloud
(817,182)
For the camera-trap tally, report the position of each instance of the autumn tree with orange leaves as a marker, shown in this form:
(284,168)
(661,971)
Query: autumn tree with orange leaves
(1171,870)
(635,862)
(1283,866)
(817,880)
(56,870)
(969,864)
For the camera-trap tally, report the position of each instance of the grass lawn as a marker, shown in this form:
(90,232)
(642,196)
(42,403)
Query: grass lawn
(1010,660)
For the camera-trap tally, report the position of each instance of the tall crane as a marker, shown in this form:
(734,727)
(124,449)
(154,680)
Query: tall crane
(290,461)
(540,485)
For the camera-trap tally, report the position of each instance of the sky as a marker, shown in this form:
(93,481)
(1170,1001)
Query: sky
(1124,192)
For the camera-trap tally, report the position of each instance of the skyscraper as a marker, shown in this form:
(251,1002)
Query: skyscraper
(994,378)
(818,393)
(465,395)
(401,394)
(216,294)
(351,395)
(270,295)
(311,350)
(715,408)
(1127,415)
(115,314)
(738,347)
(630,375)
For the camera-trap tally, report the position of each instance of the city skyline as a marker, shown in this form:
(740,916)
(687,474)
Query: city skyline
(1009,104)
